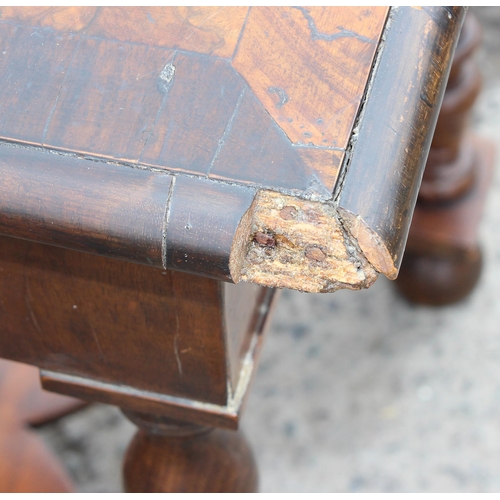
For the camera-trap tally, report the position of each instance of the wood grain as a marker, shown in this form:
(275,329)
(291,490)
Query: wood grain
(309,66)
(169,458)
(297,244)
(256,151)
(202,222)
(208,30)
(323,164)
(64,19)
(109,100)
(212,117)
(147,339)
(33,65)
(112,321)
(152,403)
(443,261)
(66,201)
(377,194)
(198,107)
(193,113)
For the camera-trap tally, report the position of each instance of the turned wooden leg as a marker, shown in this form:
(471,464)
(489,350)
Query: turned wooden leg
(443,260)
(167,347)
(170,456)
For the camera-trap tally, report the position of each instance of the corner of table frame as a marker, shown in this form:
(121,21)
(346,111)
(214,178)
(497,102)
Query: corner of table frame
(188,147)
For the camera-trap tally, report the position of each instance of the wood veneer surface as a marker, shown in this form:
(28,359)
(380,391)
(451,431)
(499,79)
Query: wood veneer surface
(271,104)
(265,96)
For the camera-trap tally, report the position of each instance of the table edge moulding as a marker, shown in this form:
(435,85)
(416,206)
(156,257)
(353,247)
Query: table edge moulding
(312,240)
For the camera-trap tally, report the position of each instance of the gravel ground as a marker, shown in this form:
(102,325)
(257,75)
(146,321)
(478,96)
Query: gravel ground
(360,391)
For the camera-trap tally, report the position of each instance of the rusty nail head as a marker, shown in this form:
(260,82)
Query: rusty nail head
(265,239)
(315,253)
(312,216)
(288,213)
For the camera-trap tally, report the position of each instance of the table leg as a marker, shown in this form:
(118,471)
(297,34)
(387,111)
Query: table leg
(159,344)
(443,260)
(168,455)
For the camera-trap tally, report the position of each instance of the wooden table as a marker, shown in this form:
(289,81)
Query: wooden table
(153,157)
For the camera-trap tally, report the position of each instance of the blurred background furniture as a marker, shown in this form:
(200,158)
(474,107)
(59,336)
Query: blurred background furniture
(443,260)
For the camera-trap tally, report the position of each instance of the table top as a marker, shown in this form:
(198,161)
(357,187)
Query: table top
(282,146)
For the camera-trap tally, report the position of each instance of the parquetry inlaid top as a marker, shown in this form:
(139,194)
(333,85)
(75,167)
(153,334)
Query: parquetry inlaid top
(266,96)
(282,146)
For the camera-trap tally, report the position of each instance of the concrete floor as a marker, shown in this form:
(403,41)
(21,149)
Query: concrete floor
(360,391)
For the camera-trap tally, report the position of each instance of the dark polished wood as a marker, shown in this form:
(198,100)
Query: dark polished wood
(443,260)
(168,456)
(200,235)
(245,342)
(279,146)
(127,101)
(127,86)
(89,206)
(380,182)
(112,322)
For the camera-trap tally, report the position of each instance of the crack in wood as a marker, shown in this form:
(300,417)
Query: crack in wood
(343,33)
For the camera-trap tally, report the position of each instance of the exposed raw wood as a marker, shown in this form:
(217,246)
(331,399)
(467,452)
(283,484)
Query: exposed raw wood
(287,242)
(248,144)
(369,241)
